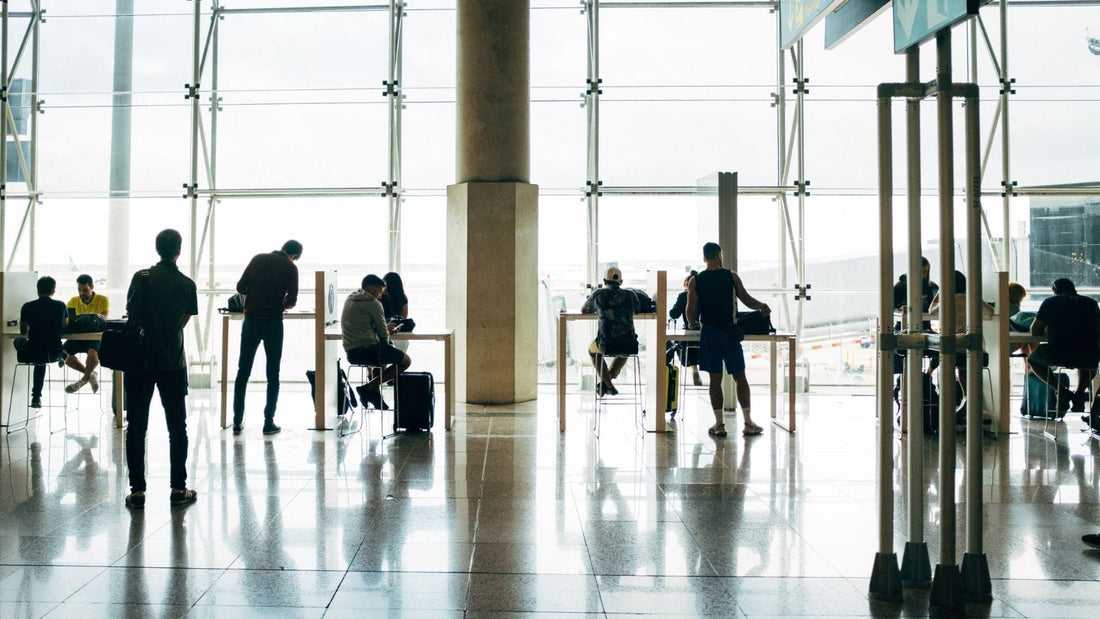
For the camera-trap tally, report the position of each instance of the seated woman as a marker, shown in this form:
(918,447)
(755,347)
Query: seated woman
(960,321)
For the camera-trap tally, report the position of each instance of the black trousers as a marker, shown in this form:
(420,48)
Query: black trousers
(270,332)
(172,385)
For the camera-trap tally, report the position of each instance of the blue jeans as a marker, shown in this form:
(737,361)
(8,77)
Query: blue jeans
(270,332)
(172,385)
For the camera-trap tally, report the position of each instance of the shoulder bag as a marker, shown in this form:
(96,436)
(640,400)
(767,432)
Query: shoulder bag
(121,346)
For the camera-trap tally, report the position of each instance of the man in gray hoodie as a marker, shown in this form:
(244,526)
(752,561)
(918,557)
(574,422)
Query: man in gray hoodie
(366,338)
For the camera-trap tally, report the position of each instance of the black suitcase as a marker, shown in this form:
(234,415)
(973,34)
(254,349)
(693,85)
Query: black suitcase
(415,402)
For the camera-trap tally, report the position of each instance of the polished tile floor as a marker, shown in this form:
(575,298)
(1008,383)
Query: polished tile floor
(506,516)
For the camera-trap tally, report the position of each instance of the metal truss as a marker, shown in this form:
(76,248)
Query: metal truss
(205,198)
(791,153)
(28,165)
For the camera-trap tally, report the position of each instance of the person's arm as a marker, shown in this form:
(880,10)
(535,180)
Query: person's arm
(246,278)
(378,321)
(192,304)
(134,297)
(291,298)
(678,307)
(588,307)
(106,306)
(691,307)
(405,310)
(1038,326)
(748,299)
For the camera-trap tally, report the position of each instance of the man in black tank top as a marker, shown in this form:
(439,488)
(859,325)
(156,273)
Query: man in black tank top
(711,298)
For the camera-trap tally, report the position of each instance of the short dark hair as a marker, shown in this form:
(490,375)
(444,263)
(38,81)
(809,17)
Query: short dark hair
(46,286)
(711,251)
(169,243)
(1063,285)
(372,280)
(84,279)
(292,248)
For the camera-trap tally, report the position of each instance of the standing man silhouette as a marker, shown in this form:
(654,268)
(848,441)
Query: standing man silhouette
(269,286)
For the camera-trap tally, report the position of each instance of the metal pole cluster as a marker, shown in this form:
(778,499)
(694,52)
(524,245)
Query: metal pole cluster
(949,587)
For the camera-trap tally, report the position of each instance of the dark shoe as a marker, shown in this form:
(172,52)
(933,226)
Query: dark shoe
(1092,540)
(271,428)
(1064,403)
(135,500)
(372,396)
(1077,403)
(36,402)
(183,497)
(238,427)
(599,390)
(611,389)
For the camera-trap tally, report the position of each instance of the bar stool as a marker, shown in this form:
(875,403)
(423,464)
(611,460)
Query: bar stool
(1057,414)
(366,371)
(635,398)
(29,360)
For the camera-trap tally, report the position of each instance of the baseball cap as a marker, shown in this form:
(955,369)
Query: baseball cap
(614,275)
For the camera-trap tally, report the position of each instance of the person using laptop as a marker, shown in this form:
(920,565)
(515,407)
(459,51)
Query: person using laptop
(87,301)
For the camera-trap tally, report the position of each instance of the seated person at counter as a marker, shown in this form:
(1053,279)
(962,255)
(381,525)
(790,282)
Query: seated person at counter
(366,338)
(1071,323)
(87,301)
(42,321)
(929,289)
(960,321)
(690,353)
(615,334)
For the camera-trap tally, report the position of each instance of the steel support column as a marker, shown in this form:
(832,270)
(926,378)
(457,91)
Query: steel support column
(394,190)
(592,174)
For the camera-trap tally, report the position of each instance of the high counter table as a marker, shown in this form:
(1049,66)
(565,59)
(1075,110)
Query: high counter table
(564,318)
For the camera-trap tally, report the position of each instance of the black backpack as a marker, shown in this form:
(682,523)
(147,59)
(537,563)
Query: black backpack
(87,323)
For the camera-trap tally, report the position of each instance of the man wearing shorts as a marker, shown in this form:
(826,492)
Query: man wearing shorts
(366,338)
(87,301)
(711,297)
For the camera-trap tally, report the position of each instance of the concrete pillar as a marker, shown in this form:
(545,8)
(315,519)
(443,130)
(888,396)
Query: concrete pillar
(492,223)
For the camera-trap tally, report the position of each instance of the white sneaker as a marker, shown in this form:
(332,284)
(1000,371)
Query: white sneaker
(77,386)
(93,380)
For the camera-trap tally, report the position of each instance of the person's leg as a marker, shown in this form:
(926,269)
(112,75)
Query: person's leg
(38,379)
(250,341)
(139,394)
(172,385)
(596,353)
(394,369)
(273,350)
(72,361)
(92,362)
(744,398)
(617,364)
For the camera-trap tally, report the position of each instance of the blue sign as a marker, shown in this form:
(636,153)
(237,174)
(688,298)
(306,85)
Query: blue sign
(849,17)
(916,21)
(798,16)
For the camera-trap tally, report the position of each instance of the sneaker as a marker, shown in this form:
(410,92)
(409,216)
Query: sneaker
(36,402)
(181,497)
(135,500)
(238,428)
(751,429)
(1077,403)
(718,430)
(93,380)
(600,390)
(271,428)
(696,379)
(1092,540)
(76,386)
(611,389)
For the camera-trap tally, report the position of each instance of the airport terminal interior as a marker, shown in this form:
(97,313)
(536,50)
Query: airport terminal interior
(341,124)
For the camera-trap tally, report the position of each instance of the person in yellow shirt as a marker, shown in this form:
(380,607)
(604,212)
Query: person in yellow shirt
(85,302)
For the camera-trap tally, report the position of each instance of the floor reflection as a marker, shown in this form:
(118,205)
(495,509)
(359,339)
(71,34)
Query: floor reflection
(506,514)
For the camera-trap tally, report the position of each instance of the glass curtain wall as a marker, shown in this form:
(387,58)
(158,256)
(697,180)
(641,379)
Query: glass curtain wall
(333,122)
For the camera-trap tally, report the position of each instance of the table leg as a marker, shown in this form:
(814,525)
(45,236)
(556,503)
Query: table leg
(561,373)
(449,377)
(225,368)
(117,396)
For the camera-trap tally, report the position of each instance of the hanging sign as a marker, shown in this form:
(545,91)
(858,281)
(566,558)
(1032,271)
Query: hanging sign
(916,21)
(798,16)
(850,16)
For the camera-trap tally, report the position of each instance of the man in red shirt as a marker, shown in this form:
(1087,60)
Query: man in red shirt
(269,286)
